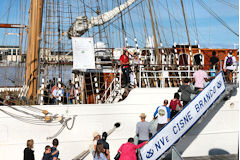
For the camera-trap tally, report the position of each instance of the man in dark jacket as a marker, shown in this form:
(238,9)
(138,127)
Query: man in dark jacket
(186,92)
(105,144)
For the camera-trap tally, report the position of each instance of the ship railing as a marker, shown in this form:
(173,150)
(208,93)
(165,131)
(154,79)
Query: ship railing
(11,88)
(154,76)
(114,85)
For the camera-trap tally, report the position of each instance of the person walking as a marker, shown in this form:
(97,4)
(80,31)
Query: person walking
(105,144)
(143,129)
(186,91)
(28,152)
(175,105)
(55,144)
(162,114)
(96,137)
(99,153)
(229,66)
(200,77)
(124,61)
(128,150)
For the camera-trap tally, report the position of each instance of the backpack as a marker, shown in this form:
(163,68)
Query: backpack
(229,61)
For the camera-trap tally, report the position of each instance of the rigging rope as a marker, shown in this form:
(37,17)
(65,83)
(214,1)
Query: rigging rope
(135,38)
(170,21)
(156,20)
(64,124)
(229,4)
(144,22)
(29,120)
(196,31)
(210,11)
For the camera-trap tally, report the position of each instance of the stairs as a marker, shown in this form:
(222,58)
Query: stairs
(114,92)
(171,134)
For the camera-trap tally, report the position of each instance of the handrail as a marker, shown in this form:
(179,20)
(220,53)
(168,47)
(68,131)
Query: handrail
(163,75)
(112,84)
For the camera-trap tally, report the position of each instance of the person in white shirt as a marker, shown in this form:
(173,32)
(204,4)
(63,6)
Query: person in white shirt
(55,94)
(229,66)
(162,114)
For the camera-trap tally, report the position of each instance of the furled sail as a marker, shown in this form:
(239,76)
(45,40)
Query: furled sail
(82,24)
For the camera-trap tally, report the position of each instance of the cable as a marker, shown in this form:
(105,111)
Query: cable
(229,4)
(209,10)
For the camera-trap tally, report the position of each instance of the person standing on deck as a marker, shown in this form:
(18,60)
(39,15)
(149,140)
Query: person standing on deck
(143,129)
(124,61)
(214,66)
(162,114)
(229,66)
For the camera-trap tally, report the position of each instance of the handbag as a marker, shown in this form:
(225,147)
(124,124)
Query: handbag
(178,108)
(117,156)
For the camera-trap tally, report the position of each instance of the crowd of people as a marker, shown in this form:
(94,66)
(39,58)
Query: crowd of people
(129,62)
(164,113)
(100,147)
(57,92)
(50,153)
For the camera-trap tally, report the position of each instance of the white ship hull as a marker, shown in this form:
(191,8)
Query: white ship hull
(218,131)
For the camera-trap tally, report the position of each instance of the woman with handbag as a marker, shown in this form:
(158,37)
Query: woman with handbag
(127,151)
(175,105)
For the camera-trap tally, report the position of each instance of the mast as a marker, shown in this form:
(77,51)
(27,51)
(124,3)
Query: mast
(154,34)
(34,33)
(189,42)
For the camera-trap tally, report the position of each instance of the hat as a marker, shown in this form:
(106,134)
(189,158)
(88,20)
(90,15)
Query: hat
(95,134)
(143,115)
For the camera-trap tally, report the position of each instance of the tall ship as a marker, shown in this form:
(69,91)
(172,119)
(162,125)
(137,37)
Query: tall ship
(73,48)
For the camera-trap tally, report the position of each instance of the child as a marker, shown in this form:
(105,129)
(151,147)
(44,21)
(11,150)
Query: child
(47,154)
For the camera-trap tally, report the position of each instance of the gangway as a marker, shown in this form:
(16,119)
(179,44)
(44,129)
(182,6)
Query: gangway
(172,133)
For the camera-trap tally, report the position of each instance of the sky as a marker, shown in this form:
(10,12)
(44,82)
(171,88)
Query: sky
(210,32)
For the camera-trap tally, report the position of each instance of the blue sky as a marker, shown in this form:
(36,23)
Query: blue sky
(211,33)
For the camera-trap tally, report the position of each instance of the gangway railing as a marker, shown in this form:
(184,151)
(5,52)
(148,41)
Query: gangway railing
(159,145)
(114,88)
